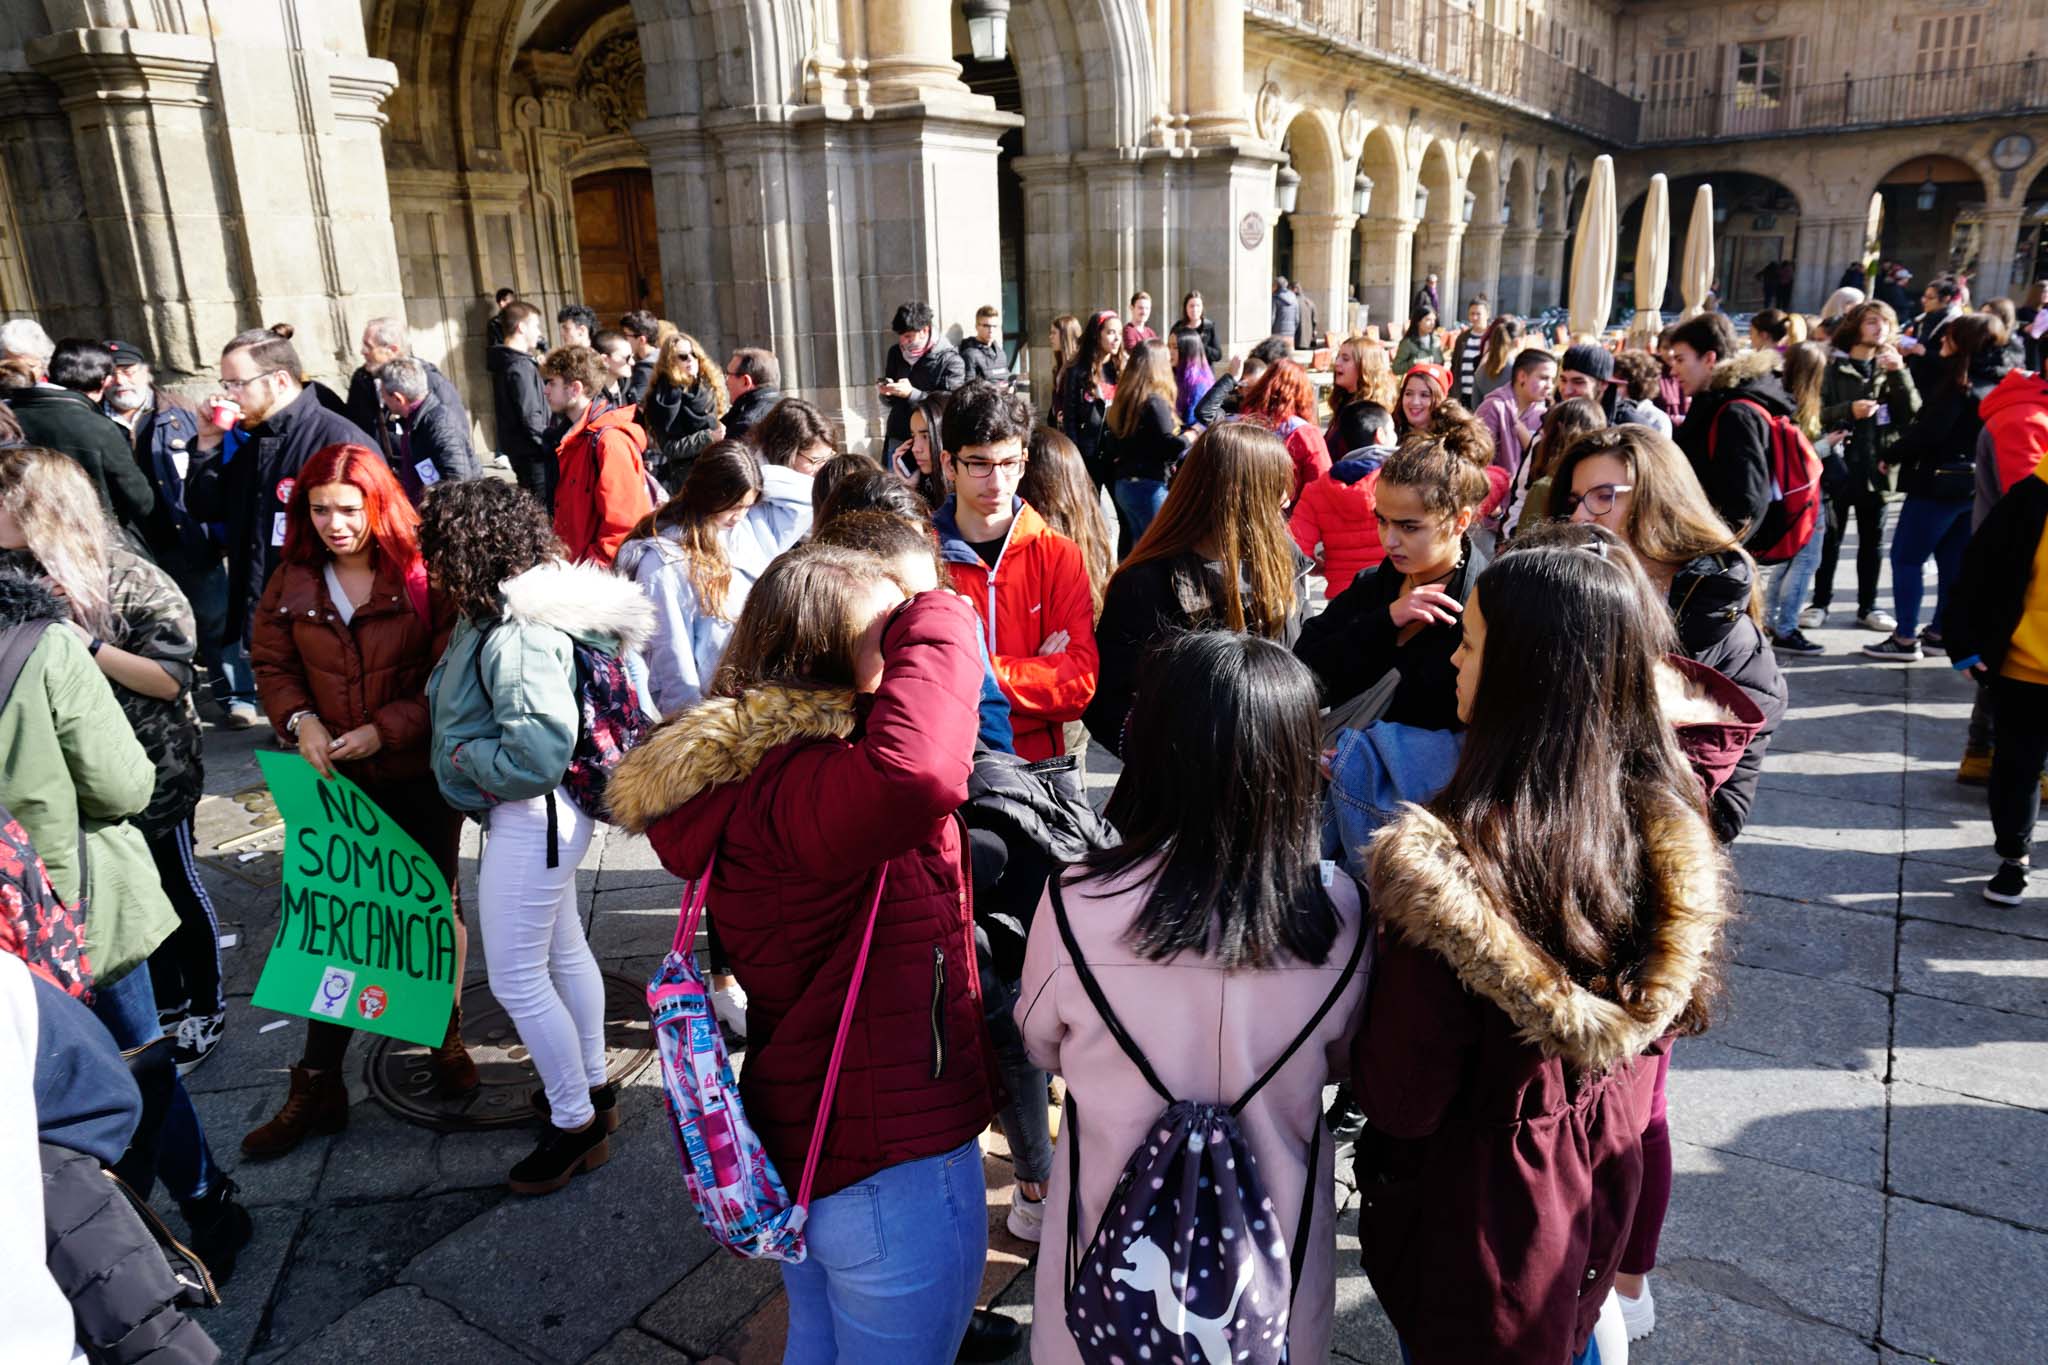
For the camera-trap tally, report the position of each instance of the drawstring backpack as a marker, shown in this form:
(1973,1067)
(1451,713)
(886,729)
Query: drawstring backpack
(1187,1263)
(738,1193)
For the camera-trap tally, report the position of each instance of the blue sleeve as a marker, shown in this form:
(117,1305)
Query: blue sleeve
(995,729)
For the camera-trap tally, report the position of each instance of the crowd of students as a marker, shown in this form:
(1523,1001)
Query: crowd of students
(1494,777)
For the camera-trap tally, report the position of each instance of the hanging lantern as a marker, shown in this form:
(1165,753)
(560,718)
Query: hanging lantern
(1287,188)
(1422,201)
(1471,204)
(1929,192)
(988,28)
(1361,194)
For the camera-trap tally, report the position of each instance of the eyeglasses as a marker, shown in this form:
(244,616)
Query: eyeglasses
(983,469)
(237,385)
(1599,499)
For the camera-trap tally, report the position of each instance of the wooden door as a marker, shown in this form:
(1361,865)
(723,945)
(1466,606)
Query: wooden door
(616,243)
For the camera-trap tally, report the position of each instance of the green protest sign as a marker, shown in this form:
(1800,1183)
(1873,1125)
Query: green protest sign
(366,937)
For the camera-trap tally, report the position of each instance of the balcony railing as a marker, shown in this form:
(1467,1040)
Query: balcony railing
(1446,41)
(1962,92)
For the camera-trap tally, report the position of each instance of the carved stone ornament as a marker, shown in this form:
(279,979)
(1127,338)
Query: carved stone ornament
(614,82)
(1351,128)
(1251,230)
(1270,108)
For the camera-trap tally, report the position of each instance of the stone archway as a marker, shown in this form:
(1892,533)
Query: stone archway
(1479,256)
(1312,245)
(1384,234)
(1518,241)
(1440,232)
(1935,222)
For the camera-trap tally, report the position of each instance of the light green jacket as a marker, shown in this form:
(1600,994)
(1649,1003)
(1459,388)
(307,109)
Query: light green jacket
(68,758)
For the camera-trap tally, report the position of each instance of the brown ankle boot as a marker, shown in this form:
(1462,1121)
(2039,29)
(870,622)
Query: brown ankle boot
(454,1072)
(318,1103)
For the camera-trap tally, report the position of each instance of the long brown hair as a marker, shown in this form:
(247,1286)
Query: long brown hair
(1563,424)
(1971,335)
(1227,495)
(801,627)
(1669,520)
(1066,344)
(59,514)
(1576,811)
(1849,327)
(1057,486)
(1805,364)
(1376,382)
(669,365)
(725,475)
(1147,374)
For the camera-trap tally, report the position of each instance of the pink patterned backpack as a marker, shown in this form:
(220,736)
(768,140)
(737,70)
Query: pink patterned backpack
(744,1204)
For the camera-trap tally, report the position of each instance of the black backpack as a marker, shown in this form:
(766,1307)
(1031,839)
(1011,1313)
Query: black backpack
(1187,1262)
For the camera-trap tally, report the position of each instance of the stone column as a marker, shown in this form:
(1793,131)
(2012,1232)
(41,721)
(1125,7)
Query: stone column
(1820,249)
(1214,56)
(1437,248)
(910,50)
(1549,272)
(1480,266)
(1322,264)
(1385,283)
(1518,265)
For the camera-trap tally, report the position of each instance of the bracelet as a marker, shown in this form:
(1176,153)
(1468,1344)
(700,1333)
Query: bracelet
(291,724)
(92,646)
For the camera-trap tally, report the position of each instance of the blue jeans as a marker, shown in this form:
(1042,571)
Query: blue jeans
(239,672)
(1790,583)
(128,1009)
(894,1266)
(1137,502)
(1928,528)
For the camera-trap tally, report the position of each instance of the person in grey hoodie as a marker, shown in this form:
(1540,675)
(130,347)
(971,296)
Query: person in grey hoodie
(506,716)
(681,558)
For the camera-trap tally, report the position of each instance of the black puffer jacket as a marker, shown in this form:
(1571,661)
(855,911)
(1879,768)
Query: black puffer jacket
(749,408)
(435,435)
(1710,606)
(941,369)
(1726,436)
(680,422)
(520,406)
(1355,641)
(1023,821)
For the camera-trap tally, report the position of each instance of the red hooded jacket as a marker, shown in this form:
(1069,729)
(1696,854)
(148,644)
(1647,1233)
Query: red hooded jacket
(2016,415)
(1337,512)
(1039,585)
(603,487)
(806,795)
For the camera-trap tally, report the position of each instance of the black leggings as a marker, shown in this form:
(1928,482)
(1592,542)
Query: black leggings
(186,966)
(1868,505)
(2020,716)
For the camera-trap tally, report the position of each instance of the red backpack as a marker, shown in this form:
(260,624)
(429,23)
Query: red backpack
(1788,523)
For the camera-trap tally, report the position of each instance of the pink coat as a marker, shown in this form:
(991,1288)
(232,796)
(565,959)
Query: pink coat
(1209,1033)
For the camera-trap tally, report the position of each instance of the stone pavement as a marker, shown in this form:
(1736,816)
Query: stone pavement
(1862,1143)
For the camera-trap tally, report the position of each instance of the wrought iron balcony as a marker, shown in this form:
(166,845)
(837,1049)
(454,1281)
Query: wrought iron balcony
(1446,42)
(1941,96)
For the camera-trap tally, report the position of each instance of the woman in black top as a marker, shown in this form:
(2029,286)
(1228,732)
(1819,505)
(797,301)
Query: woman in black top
(682,407)
(1193,320)
(1141,440)
(1405,616)
(1087,385)
(1225,508)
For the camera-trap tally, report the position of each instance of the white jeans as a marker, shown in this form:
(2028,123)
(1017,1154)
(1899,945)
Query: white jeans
(540,966)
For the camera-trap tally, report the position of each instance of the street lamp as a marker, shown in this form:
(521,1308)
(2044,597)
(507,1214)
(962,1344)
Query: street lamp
(1507,212)
(1471,203)
(1928,191)
(1421,201)
(1287,188)
(1361,194)
(988,28)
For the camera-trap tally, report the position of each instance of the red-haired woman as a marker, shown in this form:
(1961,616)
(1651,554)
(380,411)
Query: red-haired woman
(344,639)
(1283,401)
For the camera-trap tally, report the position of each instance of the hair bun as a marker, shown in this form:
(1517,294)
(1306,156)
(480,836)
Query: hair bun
(1461,434)
(282,330)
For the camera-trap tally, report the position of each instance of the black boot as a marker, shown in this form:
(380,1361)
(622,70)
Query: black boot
(991,1336)
(1346,1121)
(561,1154)
(220,1227)
(603,1098)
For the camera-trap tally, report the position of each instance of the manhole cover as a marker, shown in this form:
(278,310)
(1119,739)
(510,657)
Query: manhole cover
(403,1082)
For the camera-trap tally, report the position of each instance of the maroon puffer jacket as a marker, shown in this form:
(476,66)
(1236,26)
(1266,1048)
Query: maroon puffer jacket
(805,794)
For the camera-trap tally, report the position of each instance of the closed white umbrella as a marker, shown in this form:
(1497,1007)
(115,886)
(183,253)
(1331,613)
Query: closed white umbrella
(1595,254)
(1696,272)
(1653,262)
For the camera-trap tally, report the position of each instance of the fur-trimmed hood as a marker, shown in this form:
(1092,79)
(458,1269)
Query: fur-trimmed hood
(720,742)
(1423,888)
(583,602)
(28,597)
(1745,368)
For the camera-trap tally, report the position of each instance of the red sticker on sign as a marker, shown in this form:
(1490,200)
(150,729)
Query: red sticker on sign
(284,489)
(371,1002)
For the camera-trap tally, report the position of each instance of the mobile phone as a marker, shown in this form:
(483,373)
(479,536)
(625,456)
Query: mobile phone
(1884,414)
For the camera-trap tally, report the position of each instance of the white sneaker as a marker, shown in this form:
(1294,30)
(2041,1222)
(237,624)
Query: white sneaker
(1638,1315)
(196,1037)
(1813,618)
(1879,619)
(730,1008)
(1027,1218)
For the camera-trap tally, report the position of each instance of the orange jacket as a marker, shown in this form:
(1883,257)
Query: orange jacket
(2016,416)
(602,490)
(1038,586)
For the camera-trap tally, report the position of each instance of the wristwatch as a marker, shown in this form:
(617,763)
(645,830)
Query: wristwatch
(92,646)
(291,725)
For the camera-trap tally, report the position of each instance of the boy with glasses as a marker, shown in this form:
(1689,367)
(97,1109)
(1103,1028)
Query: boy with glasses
(1028,583)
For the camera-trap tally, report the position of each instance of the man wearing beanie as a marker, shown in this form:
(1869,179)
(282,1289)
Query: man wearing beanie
(1587,371)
